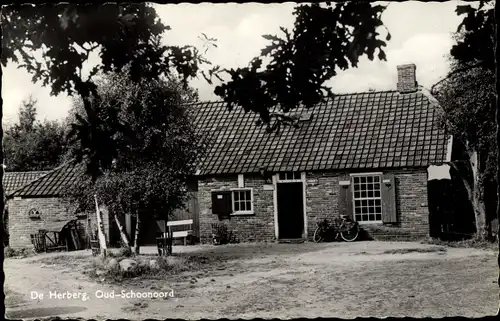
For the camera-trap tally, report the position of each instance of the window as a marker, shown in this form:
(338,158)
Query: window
(242,201)
(285,176)
(367,198)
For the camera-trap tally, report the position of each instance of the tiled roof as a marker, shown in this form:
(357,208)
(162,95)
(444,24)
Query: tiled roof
(52,184)
(15,180)
(353,131)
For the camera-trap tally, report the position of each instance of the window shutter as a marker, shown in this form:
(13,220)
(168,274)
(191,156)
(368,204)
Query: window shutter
(345,196)
(222,203)
(389,213)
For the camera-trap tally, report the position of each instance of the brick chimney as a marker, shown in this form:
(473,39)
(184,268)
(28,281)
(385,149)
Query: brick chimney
(407,82)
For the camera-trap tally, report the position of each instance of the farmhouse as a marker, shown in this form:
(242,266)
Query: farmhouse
(365,155)
(38,205)
(11,182)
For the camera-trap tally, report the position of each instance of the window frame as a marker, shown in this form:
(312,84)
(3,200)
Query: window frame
(241,189)
(354,199)
(295,176)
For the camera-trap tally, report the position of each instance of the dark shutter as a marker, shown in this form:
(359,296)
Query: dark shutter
(222,203)
(345,196)
(389,213)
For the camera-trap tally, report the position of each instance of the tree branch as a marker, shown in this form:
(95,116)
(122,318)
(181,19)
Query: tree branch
(454,72)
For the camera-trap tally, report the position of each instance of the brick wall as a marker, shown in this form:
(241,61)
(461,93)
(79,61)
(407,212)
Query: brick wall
(406,78)
(256,227)
(21,225)
(321,202)
(411,204)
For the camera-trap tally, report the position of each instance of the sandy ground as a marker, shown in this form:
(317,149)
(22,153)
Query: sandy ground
(276,281)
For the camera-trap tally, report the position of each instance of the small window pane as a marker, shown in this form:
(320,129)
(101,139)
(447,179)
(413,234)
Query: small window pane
(367,198)
(236,206)
(236,196)
(378,217)
(248,195)
(249,206)
(282,176)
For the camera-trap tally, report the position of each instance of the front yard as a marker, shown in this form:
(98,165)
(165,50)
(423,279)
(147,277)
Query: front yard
(270,281)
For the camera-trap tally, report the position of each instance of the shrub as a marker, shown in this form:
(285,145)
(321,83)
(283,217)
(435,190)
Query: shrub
(470,243)
(9,252)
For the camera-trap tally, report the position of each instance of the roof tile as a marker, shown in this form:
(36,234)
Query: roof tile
(364,130)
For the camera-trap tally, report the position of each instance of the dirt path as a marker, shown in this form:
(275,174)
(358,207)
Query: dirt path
(283,281)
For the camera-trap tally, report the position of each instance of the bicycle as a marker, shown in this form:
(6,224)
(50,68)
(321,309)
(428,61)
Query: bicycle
(345,228)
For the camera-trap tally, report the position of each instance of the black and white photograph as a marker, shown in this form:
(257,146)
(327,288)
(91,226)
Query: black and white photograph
(250,160)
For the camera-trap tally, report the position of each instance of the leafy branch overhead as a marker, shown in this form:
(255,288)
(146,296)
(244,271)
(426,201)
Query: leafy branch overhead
(325,39)
(67,34)
(477,35)
(54,42)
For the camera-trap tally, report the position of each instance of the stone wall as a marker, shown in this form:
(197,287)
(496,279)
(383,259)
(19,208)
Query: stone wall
(321,202)
(254,227)
(50,208)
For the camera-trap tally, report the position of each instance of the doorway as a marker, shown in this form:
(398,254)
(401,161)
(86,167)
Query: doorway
(290,210)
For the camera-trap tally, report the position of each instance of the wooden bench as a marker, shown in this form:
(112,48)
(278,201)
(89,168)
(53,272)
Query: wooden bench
(188,232)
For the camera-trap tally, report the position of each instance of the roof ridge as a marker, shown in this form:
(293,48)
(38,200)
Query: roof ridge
(202,102)
(23,172)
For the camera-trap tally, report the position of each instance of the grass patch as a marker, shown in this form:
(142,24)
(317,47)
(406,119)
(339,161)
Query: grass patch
(416,250)
(165,266)
(67,261)
(12,298)
(471,243)
(21,253)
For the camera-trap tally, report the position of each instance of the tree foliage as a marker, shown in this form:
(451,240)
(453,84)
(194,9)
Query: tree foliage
(158,148)
(31,145)
(467,95)
(325,39)
(477,36)
(126,37)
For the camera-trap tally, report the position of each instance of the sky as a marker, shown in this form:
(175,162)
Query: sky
(421,34)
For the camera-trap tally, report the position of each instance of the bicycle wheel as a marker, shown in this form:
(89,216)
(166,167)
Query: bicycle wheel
(350,235)
(318,235)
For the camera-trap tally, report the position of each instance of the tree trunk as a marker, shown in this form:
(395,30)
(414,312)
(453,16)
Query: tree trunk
(123,235)
(497,114)
(2,204)
(474,194)
(136,236)
(477,199)
(100,229)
